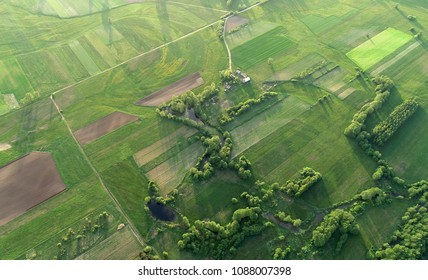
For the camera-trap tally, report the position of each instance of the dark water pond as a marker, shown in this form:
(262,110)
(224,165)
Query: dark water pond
(160,211)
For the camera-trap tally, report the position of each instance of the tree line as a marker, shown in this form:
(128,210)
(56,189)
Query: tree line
(214,240)
(242,107)
(382,91)
(307,178)
(385,129)
(338,219)
(409,242)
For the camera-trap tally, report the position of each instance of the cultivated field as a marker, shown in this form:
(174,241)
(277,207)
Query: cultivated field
(103,126)
(254,130)
(169,174)
(153,151)
(377,48)
(27,182)
(235,22)
(261,48)
(122,245)
(177,88)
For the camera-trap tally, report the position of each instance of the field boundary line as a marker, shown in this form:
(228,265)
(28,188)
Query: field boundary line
(112,197)
(395,59)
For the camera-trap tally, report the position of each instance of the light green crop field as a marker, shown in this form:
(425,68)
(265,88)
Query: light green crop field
(379,47)
(3,106)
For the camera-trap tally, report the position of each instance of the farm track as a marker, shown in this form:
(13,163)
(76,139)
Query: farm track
(229,53)
(113,198)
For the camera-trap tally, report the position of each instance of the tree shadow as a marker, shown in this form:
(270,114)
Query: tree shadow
(106,21)
(163,16)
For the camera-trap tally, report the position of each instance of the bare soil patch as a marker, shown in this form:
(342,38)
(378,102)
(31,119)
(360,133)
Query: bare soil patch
(27,182)
(103,126)
(4,147)
(157,98)
(235,22)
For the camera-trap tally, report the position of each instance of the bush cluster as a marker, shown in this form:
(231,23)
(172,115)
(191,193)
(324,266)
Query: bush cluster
(307,178)
(242,107)
(385,129)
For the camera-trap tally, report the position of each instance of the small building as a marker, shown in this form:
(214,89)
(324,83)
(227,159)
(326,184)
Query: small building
(242,77)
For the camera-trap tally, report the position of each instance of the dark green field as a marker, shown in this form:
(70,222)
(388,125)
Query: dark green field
(66,64)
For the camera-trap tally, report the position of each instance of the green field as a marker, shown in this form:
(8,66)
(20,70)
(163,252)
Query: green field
(4,108)
(379,47)
(261,48)
(249,32)
(251,132)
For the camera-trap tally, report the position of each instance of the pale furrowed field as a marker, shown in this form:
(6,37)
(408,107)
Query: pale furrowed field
(153,151)
(251,132)
(122,245)
(377,48)
(169,174)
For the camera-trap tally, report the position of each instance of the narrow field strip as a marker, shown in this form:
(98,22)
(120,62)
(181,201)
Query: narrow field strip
(153,151)
(84,58)
(177,88)
(266,123)
(103,126)
(391,62)
(170,173)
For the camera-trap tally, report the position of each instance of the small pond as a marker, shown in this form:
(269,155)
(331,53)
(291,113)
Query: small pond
(160,211)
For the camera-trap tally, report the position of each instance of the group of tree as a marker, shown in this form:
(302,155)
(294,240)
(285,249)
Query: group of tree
(242,107)
(288,219)
(385,129)
(374,195)
(178,104)
(383,87)
(216,155)
(409,242)
(243,166)
(281,254)
(338,219)
(309,71)
(307,178)
(227,76)
(214,240)
(220,29)
(76,241)
(148,253)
